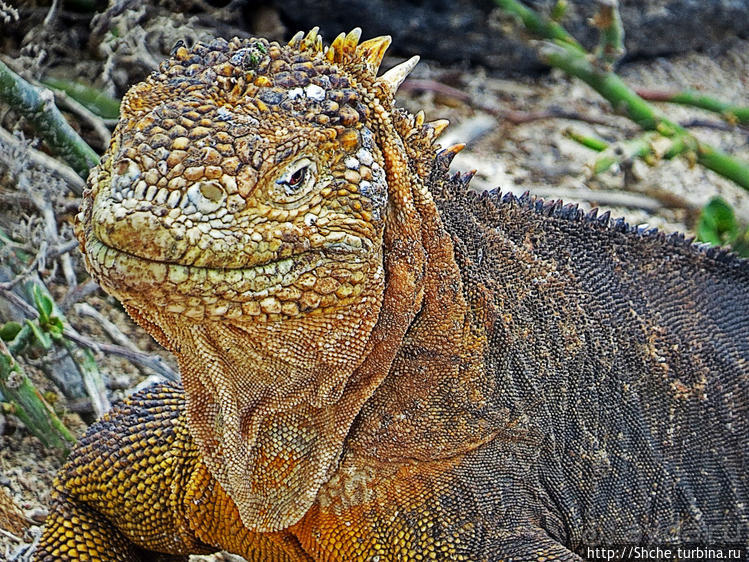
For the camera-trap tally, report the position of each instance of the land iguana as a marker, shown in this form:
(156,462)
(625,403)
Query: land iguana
(377,362)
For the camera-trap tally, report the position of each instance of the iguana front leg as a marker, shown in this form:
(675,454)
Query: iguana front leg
(135,489)
(74,531)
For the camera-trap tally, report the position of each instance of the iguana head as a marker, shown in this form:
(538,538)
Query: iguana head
(241,214)
(243,182)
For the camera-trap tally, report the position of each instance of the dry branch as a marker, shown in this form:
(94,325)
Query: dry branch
(10,144)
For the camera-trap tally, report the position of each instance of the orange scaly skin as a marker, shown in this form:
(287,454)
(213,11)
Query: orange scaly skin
(379,364)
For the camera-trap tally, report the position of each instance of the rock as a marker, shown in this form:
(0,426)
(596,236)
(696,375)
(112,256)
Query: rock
(472,31)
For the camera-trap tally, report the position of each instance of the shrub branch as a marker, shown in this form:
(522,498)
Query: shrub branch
(37,106)
(560,52)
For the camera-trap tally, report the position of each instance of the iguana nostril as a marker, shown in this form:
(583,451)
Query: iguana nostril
(207,196)
(127,172)
(127,167)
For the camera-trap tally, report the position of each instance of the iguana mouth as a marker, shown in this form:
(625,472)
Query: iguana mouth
(284,286)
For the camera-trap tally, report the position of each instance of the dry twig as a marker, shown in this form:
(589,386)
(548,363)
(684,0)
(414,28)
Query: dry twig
(11,145)
(153,362)
(96,122)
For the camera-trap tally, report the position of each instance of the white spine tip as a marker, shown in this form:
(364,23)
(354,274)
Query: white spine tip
(394,77)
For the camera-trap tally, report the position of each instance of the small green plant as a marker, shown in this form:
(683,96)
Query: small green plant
(717,225)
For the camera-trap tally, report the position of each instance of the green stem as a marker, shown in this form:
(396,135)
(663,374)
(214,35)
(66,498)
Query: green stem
(565,53)
(29,406)
(611,41)
(609,85)
(641,147)
(558,11)
(589,142)
(725,165)
(538,24)
(38,108)
(626,101)
(95,100)
(731,113)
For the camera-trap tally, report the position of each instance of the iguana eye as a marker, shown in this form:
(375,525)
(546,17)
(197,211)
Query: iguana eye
(297,177)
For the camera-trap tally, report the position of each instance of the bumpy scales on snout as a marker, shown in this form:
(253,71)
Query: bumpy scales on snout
(378,363)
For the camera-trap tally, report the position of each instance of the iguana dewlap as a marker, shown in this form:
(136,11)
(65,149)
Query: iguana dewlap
(378,363)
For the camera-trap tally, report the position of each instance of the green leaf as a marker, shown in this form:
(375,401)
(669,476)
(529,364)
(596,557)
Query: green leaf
(559,10)
(717,224)
(41,336)
(44,304)
(10,330)
(48,321)
(55,327)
